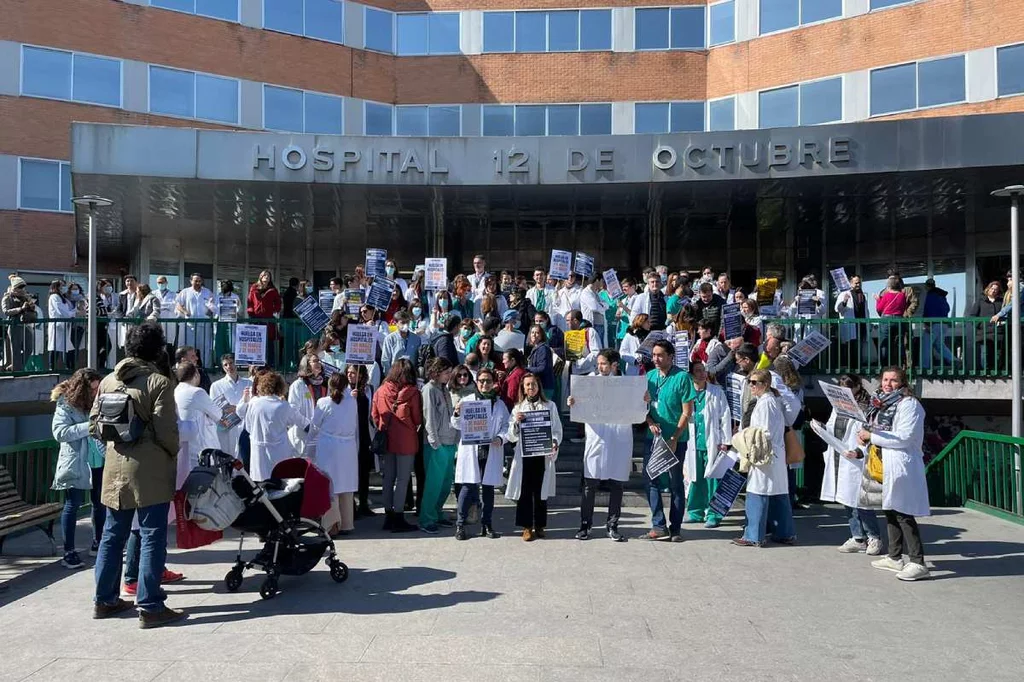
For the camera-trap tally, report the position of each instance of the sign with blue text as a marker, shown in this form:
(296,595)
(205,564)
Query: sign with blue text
(312,315)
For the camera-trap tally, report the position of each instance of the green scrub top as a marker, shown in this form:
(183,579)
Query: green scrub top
(700,440)
(668,394)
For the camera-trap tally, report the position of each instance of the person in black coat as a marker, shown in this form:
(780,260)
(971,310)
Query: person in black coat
(985,354)
(444,342)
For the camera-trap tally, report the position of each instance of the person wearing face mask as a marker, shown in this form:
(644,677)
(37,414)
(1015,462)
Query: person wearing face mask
(77,298)
(107,333)
(440,311)
(167,310)
(510,337)
(467,328)
(636,333)
(196,406)
(58,334)
(440,438)
(401,343)
(227,393)
(391,270)
(303,394)
(478,467)
(419,321)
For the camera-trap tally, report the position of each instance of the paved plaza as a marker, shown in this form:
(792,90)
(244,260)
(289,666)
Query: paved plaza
(431,608)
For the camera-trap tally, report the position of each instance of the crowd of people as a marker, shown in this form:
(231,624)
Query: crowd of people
(504,341)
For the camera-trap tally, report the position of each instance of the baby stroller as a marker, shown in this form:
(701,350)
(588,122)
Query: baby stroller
(281,511)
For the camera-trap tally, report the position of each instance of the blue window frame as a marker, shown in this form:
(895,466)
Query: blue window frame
(445,120)
(172,92)
(779,108)
(412,34)
(564,31)
(595,119)
(444,33)
(651,31)
(531,31)
(44,185)
(812,11)
(531,120)
(661,28)
(45,73)
(282,109)
(216,98)
(498,120)
(722,114)
(283,15)
(71,76)
(563,119)
(1010,70)
(688,28)
(378,26)
(412,121)
(779,15)
(821,101)
(377,119)
(96,80)
(217,9)
(499,31)
(882,4)
(320,19)
(722,23)
(323,114)
(596,29)
(941,81)
(893,89)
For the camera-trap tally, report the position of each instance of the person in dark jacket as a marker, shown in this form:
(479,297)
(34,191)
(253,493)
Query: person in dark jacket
(984,335)
(933,336)
(444,342)
(290,297)
(554,335)
(540,359)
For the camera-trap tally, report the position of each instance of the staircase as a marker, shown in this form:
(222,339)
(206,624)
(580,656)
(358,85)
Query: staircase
(569,490)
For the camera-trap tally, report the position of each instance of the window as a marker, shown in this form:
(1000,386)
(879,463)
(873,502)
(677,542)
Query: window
(552,119)
(433,120)
(668,117)
(422,33)
(499,31)
(922,84)
(498,120)
(650,117)
(531,31)
(882,4)
(722,114)
(821,102)
(659,28)
(595,119)
(411,121)
(564,119)
(779,15)
(377,27)
(70,76)
(320,19)
(1010,70)
(218,9)
(44,185)
(445,120)
(723,23)
(296,111)
(779,108)
(531,120)
(190,95)
(596,29)
(563,31)
(377,119)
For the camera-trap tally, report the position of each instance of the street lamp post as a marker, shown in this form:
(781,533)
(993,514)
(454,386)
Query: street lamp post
(92,202)
(1015,192)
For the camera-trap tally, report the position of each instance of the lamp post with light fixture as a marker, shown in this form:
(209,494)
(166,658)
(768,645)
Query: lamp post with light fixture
(92,202)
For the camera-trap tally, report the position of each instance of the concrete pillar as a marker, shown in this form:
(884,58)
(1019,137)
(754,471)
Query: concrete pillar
(471,32)
(352,114)
(250,113)
(622,118)
(251,13)
(10,68)
(354,28)
(8,182)
(856,96)
(747,13)
(471,121)
(746,111)
(623,32)
(134,85)
(655,225)
(852,8)
(982,84)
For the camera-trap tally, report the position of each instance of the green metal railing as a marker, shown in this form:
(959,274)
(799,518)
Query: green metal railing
(32,466)
(978,470)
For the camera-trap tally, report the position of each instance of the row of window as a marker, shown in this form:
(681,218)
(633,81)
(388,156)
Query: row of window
(546,119)
(320,19)
(216,9)
(412,33)
(44,185)
(918,85)
(71,76)
(558,31)
(684,117)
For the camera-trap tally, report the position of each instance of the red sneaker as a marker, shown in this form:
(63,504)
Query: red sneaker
(131,589)
(170,576)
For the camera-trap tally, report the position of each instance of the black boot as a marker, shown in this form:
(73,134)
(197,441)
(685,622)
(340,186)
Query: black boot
(400,525)
(584,533)
(615,535)
(366,510)
(460,532)
(389,519)
(487,531)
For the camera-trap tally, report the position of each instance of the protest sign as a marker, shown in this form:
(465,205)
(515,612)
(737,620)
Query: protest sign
(730,309)
(584,265)
(682,344)
(733,326)
(575,343)
(329,368)
(561,264)
(354,300)
(535,433)
(728,490)
(375,259)
(647,347)
(228,418)
(611,283)
(326,298)
(608,400)
(436,274)
(830,440)
(766,288)
(734,394)
(812,344)
(312,315)
(769,310)
(475,421)
(719,463)
(361,344)
(661,460)
(380,292)
(841,280)
(805,304)
(250,344)
(842,401)
(227,309)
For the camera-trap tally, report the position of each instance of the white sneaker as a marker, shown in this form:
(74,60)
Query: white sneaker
(875,547)
(888,564)
(852,546)
(914,572)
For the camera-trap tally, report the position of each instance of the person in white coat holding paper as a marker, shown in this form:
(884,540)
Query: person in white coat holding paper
(768,485)
(195,405)
(843,480)
(607,456)
(267,418)
(227,394)
(531,480)
(335,430)
(481,465)
(896,426)
(303,394)
(710,433)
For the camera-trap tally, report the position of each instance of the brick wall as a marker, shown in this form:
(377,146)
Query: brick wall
(35,240)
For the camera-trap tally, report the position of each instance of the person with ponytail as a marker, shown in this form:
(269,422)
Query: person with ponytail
(303,394)
(336,435)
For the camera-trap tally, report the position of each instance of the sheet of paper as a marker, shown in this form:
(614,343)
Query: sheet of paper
(831,441)
(561,264)
(611,283)
(380,292)
(721,463)
(475,421)
(806,350)
(661,460)
(608,400)
(535,433)
(842,401)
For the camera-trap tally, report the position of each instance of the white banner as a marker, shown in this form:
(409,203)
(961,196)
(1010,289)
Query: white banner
(436,274)
(250,344)
(608,400)
(361,344)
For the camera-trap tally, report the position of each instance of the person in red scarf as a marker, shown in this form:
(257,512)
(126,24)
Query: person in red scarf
(264,302)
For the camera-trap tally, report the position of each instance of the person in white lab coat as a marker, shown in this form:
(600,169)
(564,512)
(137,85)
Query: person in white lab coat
(267,419)
(594,309)
(196,303)
(896,425)
(227,394)
(768,484)
(336,435)
(58,341)
(531,480)
(710,433)
(844,480)
(607,456)
(481,465)
(196,406)
(303,395)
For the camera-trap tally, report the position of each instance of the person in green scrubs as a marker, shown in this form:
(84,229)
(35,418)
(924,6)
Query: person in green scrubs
(711,433)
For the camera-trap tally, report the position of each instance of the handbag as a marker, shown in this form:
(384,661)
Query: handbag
(379,444)
(794,448)
(189,535)
(873,466)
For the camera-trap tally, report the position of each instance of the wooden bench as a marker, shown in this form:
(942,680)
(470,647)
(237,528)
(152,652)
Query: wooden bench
(17,514)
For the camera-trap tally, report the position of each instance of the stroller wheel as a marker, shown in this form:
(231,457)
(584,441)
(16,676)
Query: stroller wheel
(339,571)
(268,590)
(233,580)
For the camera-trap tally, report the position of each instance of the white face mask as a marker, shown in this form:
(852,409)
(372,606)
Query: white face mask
(390,270)
(404,327)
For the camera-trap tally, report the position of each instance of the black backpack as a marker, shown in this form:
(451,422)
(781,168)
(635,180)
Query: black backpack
(424,354)
(117,420)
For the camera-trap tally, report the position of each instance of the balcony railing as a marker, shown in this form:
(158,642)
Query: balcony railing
(943,348)
(978,470)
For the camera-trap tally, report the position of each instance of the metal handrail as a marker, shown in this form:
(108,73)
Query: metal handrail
(978,469)
(32,466)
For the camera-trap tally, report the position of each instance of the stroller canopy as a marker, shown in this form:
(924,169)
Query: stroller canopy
(316,494)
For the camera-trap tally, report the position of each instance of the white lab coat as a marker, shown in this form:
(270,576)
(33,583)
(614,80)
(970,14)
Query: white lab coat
(592,307)
(467,465)
(842,484)
(627,353)
(196,406)
(232,392)
(301,399)
(562,302)
(197,304)
(498,300)
(844,306)
(717,430)
(588,362)
(267,419)
(167,311)
(904,486)
(336,437)
(59,333)
(771,479)
(515,474)
(608,451)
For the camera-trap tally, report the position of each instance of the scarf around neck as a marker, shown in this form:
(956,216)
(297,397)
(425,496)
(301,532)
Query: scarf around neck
(883,407)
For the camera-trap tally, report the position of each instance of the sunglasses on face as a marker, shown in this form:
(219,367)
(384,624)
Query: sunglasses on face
(755,382)
(484,382)
(463,376)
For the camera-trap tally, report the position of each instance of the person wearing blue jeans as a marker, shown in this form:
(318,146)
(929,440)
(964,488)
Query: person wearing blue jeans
(759,508)
(153,554)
